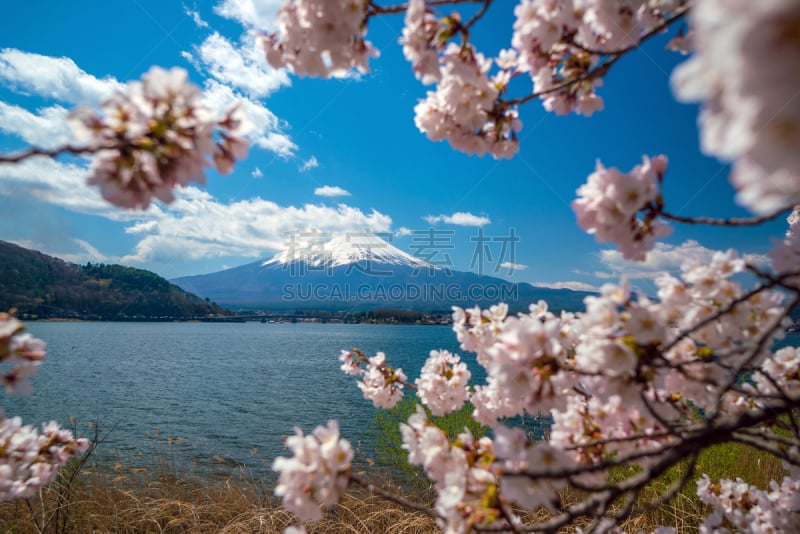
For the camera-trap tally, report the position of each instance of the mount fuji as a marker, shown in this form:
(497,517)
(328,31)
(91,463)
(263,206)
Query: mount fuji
(359,272)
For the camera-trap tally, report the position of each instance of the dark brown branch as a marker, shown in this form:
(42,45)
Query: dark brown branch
(598,72)
(52,153)
(375,9)
(762,446)
(389,496)
(771,282)
(603,68)
(674,489)
(760,442)
(477,16)
(734,221)
(679,14)
(754,352)
(779,280)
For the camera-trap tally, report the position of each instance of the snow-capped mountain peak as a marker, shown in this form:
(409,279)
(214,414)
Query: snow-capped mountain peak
(353,247)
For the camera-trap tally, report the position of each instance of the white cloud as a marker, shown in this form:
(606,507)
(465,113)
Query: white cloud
(258,14)
(46,129)
(263,127)
(55,182)
(195,226)
(88,253)
(459,218)
(513,266)
(61,184)
(575,286)
(198,226)
(61,79)
(242,67)
(257,173)
(665,258)
(310,163)
(195,16)
(331,191)
(58,78)
(403,231)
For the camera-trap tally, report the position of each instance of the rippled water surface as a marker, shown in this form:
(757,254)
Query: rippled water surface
(226,389)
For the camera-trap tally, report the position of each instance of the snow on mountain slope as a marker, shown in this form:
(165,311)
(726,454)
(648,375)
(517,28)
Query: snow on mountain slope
(354,247)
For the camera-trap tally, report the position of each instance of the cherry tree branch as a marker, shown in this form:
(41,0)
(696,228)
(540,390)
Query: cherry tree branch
(604,67)
(734,221)
(479,15)
(376,9)
(655,30)
(52,153)
(771,282)
(389,496)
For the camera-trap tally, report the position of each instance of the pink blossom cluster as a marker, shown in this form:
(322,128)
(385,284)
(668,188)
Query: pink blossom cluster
(517,455)
(745,73)
(465,108)
(20,356)
(780,374)
(380,383)
(443,382)
(617,380)
(154,136)
(560,42)
(608,205)
(320,38)
(747,508)
(421,41)
(462,472)
(317,473)
(29,459)
(630,380)
(785,255)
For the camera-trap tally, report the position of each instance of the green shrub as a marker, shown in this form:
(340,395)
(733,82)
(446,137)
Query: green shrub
(388,442)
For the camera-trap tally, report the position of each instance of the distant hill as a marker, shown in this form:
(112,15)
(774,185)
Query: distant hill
(44,286)
(361,273)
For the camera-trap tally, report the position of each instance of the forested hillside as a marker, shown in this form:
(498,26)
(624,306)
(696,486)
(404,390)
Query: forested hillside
(44,286)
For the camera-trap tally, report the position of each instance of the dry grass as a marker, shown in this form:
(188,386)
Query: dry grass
(142,500)
(153,499)
(684,511)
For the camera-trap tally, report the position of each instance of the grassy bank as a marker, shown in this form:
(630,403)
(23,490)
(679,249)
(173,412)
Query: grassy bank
(156,499)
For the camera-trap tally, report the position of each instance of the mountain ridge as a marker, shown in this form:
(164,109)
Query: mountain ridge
(363,273)
(45,286)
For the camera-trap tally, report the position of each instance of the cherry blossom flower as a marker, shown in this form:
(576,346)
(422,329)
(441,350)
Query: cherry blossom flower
(419,46)
(382,384)
(744,71)
(443,382)
(464,108)
(785,255)
(20,356)
(749,508)
(609,202)
(156,135)
(317,473)
(320,38)
(29,459)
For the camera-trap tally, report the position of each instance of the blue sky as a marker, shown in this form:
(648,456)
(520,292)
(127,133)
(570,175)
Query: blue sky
(353,136)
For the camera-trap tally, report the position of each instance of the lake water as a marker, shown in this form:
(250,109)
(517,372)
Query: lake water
(227,390)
